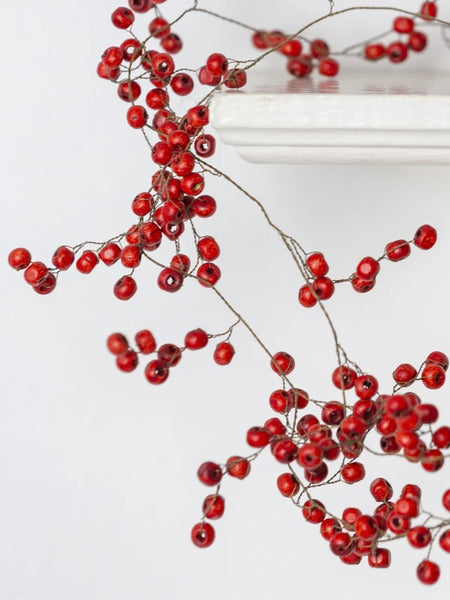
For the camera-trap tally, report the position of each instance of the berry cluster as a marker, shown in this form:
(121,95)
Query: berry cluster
(167,355)
(168,212)
(363,280)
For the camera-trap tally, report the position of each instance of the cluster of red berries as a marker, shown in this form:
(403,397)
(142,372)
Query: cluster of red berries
(176,197)
(167,355)
(364,279)
(410,38)
(308,441)
(299,63)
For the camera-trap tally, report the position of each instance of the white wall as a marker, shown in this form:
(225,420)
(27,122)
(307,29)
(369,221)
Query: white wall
(97,467)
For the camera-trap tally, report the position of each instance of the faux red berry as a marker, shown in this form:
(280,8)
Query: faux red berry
(291,48)
(145,341)
(438,357)
(417,41)
(63,258)
(404,374)
(172,43)
(208,248)
(127,361)
(213,506)
(353,472)
(313,511)
(425,237)
(131,49)
(122,17)
(203,535)
(397,52)
(238,467)
(362,285)
(159,27)
(131,256)
(125,288)
(419,537)
(329,67)
(110,254)
(205,145)
(306,297)
(432,460)
(156,372)
(444,541)
(319,49)
(258,437)
(428,572)
(112,57)
(428,10)
(397,250)
(169,354)
(300,66)
(368,268)
(140,6)
(208,274)
(433,376)
(343,377)
(380,558)
(374,51)
(403,25)
(204,206)
(19,258)
(366,386)
(282,363)
(446,499)
(341,543)
(170,280)
(381,489)
(209,473)
(235,79)
(182,84)
(317,264)
(117,343)
(196,339)
(137,116)
(46,286)
(288,485)
(87,261)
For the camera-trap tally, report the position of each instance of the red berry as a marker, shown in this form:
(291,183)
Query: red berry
(397,250)
(131,49)
(204,206)
(419,537)
(425,237)
(300,66)
(137,116)
(362,285)
(353,472)
(127,361)
(444,541)
(404,374)
(306,297)
(196,339)
(288,485)
(343,377)
(374,51)
(169,354)
(140,6)
(131,256)
(208,274)
(238,467)
(381,489)
(417,41)
(63,258)
(203,535)
(170,280)
(319,49)
(258,437)
(46,286)
(380,558)
(329,67)
(368,268)
(223,353)
(366,386)
(159,27)
(117,343)
(397,52)
(317,264)
(428,572)
(112,57)
(313,511)
(87,261)
(110,254)
(403,25)
(172,43)
(145,341)
(438,357)
(35,273)
(208,248)
(432,460)
(428,10)
(217,64)
(291,48)
(205,145)
(156,372)
(446,499)
(125,288)
(433,376)
(282,363)
(122,17)
(213,506)
(19,258)
(328,527)
(235,79)
(209,473)
(182,84)
(341,543)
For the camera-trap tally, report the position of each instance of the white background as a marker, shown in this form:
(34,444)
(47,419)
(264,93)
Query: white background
(97,467)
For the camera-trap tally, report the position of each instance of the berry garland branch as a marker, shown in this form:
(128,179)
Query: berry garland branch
(175,198)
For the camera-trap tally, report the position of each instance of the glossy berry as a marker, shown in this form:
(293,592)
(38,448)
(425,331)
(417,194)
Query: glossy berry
(122,18)
(374,51)
(323,288)
(182,84)
(397,250)
(223,353)
(319,49)
(196,339)
(258,437)
(417,41)
(145,341)
(170,280)
(63,258)
(366,386)
(117,343)
(140,6)
(217,64)
(203,535)
(288,485)
(397,52)
(343,377)
(368,268)
(306,297)
(87,261)
(428,10)
(156,372)
(169,354)
(444,541)
(137,116)
(380,559)
(110,254)
(446,500)
(362,286)
(419,537)
(238,467)
(213,506)
(46,286)
(353,472)
(425,237)
(209,473)
(428,572)
(129,92)
(313,511)
(208,274)
(329,67)
(282,363)
(438,357)
(235,79)
(381,490)
(208,248)
(404,374)
(317,264)
(403,25)
(19,258)
(433,376)
(127,361)
(125,288)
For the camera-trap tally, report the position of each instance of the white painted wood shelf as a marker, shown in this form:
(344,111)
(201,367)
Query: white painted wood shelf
(372,117)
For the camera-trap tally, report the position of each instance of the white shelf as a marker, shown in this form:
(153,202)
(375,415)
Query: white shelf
(372,117)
